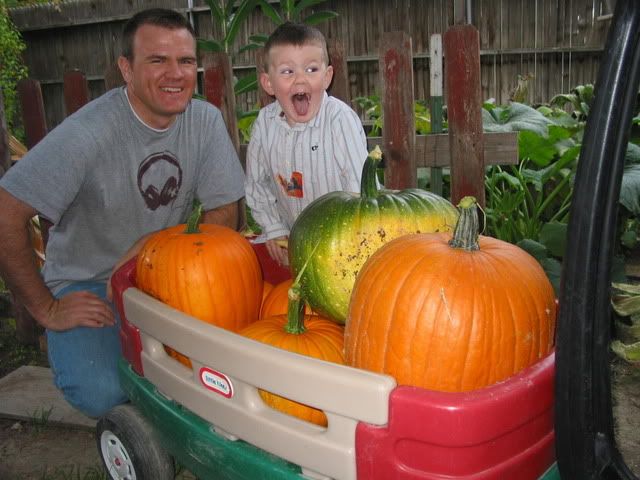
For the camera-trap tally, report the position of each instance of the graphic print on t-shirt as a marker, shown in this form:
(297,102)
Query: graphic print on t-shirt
(159,179)
(293,187)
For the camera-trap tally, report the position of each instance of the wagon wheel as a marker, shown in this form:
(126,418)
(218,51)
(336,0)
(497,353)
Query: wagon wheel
(129,447)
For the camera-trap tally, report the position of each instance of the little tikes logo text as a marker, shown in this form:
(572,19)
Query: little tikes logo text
(216,381)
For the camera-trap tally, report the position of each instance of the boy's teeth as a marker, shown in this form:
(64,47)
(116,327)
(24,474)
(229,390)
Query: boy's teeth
(171,90)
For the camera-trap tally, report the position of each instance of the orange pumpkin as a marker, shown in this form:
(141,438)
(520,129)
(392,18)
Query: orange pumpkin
(207,271)
(277,301)
(450,314)
(305,334)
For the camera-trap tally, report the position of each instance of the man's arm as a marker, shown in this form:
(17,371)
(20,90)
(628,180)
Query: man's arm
(19,270)
(226,215)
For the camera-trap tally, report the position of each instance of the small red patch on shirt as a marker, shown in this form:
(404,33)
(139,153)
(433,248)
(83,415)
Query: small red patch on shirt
(292,187)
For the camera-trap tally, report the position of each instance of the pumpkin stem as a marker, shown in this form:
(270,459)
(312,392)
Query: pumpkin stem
(369,180)
(295,307)
(465,234)
(193,223)
(295,311)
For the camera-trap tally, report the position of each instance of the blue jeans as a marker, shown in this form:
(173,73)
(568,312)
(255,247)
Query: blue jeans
(84,361)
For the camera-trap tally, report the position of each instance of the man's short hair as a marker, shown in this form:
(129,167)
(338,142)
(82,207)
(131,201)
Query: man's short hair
(160,17)
(297,34)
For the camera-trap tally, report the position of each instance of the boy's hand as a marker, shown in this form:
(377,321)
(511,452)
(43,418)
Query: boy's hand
(277,248)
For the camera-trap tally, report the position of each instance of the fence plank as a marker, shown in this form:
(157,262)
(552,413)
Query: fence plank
(76,91)
(113,77)
(340,84)
(433,150)
(218,89)
(396,68)
(464,112)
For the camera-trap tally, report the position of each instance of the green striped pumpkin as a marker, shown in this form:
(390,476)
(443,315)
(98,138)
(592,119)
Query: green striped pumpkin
(348,228)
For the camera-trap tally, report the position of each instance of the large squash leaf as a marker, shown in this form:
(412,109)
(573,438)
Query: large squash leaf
(630,188)
(515,117)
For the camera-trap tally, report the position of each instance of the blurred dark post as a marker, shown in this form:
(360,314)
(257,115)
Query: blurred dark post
(218,90)
(76,90)
(399,133)
(340,85)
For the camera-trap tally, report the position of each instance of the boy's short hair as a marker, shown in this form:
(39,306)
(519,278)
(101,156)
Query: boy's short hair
(297,34)
(160,17)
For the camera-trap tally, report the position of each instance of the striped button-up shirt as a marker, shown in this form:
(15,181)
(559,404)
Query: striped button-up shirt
(290,166)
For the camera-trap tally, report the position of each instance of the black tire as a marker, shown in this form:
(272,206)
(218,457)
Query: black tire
(129,447)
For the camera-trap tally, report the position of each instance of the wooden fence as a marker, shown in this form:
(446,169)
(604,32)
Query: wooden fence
(465,148)
(554,43)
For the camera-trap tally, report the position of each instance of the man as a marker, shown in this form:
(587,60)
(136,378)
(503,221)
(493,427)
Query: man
(127,164)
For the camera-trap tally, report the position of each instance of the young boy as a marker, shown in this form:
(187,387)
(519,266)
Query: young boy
(303,145)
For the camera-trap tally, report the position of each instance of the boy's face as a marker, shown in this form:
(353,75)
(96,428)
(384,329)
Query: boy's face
(298,77)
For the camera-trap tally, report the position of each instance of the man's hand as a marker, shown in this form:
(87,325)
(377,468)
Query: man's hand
(278,250)
(78,309)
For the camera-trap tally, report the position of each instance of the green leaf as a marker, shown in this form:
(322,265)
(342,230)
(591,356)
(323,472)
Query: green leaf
(631,288)
(259,38)
(319,17)
(630,353)
(630,188)
(246,84)
(216,13)
(533,146)
(270,12)
(632,155)
(244,9)
(536,249)
(553,236)
(513,118)
(209,45)
(625,305)
(250,46)
(553,269)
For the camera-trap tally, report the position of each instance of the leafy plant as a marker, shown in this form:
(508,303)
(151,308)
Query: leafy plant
(371,106)
(12,68)
(291,10)
(626,303)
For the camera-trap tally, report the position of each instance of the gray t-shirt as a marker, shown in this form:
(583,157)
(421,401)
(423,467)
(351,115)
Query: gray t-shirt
(105,179)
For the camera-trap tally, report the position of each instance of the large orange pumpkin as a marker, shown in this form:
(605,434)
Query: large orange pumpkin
(301,333)
(450,314)
(207,271)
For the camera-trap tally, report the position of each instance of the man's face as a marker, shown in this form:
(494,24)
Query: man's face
(161,77)
(298,77)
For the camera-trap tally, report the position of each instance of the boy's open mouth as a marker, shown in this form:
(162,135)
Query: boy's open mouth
(301,103)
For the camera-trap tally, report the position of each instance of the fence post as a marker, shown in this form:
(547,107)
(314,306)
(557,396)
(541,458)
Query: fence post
(340,85)
(5,153)
(399,134)
(76,90)
(464,112)
(218,89)
(33,117)
(435,87)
